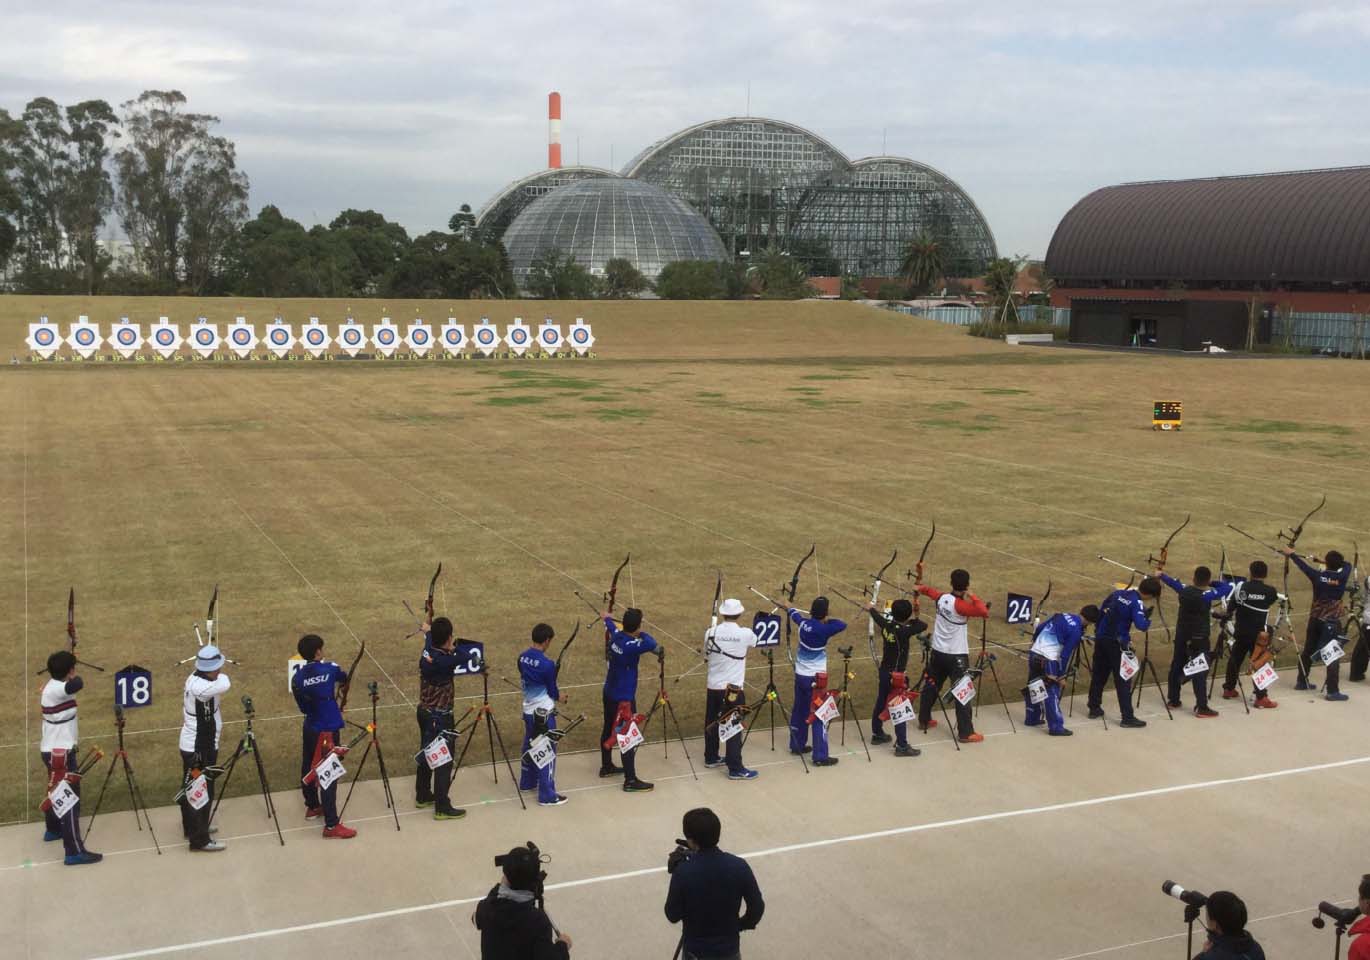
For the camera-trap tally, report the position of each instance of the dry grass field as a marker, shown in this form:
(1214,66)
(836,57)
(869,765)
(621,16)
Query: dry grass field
(704,437)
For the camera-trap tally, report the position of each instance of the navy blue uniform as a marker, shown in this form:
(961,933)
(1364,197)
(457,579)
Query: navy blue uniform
(1324,621)
(434,714)
(1118,614)
(620,685)
(540,695)
(315,688)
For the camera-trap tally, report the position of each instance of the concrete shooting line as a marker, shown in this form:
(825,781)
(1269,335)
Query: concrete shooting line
(759,854)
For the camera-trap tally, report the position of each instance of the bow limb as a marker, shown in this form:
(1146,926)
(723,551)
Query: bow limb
(790,590)
(72,639)
(877,579)
(209,616)
(567,646)
(432,585)
(917,572)
(351,672)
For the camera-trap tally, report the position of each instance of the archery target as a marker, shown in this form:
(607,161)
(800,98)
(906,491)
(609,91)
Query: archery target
(126,338)
(549,337)
(581,337)
(166,338)
(84,338)
(279,338)
(386,336)
(242,338)
(352,337)
(315,337)
(42,338)
(420,338)
(204,338)
(453,336)
(518,337)
(486,337)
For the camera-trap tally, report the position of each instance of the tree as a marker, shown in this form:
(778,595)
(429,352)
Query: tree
(921,265)
(690,280)
(274,256)
(444,265)
(851,287)
(1000,276)
(554,275)
(11,133)
(622,280)
(378,245)
(177,179)
(463,223)
(780,276)
(88,194)
(815,256)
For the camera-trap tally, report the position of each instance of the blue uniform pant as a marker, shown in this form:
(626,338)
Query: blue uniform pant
(877,727)
(1108,657)
(310,743)
(799,717)
(70,825)
(820,739)
(529,773)
(1044,669)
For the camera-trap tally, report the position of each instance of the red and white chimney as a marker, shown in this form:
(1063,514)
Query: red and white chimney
(554,130)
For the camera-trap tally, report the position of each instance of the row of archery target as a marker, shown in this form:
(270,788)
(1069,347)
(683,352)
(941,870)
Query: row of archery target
(279,338)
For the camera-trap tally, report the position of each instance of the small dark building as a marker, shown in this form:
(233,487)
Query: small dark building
(1170,324)
(1298,239)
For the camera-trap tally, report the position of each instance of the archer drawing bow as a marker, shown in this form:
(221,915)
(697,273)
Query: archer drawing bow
(789,590)
(877,579)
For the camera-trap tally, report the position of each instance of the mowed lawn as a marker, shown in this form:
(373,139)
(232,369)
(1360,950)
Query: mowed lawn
(704,437)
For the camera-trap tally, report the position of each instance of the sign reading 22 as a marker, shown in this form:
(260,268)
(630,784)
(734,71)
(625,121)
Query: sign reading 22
(766,626)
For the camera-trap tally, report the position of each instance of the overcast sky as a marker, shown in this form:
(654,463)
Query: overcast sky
(1028,106)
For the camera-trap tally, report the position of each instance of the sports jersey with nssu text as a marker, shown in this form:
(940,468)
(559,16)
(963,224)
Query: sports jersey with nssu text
(812,656)
(314,687)
(727,645)
(1251,605)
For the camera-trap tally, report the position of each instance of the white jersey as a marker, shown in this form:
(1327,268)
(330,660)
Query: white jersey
(59,717)
(200,690)
(1047,645)
(727,646)
(949,627)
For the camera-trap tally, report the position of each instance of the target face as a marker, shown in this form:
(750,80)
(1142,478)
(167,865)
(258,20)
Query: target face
(452,337)
(313,336)
(85,336)
(164,337)
(280,336)
(351,336)
(550,338)
(518,335)
(420,337)
(485,336)
(125,336)
(242,336)
(385,336)
(43,337)
(203,337)
(580,335)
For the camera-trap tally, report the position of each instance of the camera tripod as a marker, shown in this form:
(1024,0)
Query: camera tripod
(374,742)
(986,659)
(1075,677)
(849,705)
(491,732)
(135,795)
(771,698)
(663,700)
(248,744)
(1141,675)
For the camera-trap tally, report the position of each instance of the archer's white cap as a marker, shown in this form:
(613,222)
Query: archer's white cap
(209,658)
(731,607)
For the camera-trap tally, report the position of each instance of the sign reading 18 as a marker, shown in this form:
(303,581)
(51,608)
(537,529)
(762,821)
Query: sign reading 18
(133,687)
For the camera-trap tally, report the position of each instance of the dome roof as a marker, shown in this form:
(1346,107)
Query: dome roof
(501,209)
(599,219)
(1307,227)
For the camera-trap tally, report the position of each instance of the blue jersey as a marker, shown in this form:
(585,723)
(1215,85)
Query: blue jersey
(314,687)
(1119,613)
(620,683)
(812,656)
(539,675)
(1057,638)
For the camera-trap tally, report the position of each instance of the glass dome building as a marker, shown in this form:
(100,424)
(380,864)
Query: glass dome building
(596,220)
(501,209)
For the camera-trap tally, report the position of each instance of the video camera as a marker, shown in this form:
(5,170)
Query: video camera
(1192,898)
(373,688)
(679,855)
(523,866)
(1342,916)
(845,651)
(248,708)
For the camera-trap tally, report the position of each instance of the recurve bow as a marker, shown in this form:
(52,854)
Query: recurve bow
(789,590)
(877,579)
(609,598)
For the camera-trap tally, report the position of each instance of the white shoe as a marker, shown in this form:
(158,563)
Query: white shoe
(213,828)
(214,846)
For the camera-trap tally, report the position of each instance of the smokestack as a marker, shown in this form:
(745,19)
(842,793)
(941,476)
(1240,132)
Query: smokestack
(554,130)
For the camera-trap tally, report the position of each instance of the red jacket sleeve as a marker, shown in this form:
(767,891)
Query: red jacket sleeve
(928,591)
(972,606)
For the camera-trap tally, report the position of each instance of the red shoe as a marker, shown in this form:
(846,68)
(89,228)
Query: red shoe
(339,832)
(1229,694)
(1265,703)
(973,738)
(931,723)
(313,813)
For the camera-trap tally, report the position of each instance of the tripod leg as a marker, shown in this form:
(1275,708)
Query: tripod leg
(101,797)
(221,787)
(856,719)
(784,715)
(946,718)
(507,762)
(385,783)
(680,735)
(1242,689)
(490,735)
(357,775)
(1007,712)
(138,795)
(1148,665)
(132,800)
(266,789)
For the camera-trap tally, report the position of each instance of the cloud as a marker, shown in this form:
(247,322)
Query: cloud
(417,108)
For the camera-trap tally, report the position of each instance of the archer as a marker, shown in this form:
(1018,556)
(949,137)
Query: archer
(815,630)
(1193,625)
(1324,616)
(314,686)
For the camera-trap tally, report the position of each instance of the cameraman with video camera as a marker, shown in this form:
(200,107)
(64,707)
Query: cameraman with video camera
(1225,918)
(511,921)
(708,887)
(1360,928)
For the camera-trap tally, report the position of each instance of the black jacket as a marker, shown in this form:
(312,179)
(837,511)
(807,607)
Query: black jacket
(1238,946)
(515,931)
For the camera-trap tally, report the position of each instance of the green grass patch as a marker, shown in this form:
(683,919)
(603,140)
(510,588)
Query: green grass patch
(832,376)
(516,400)
(1286,426)
(624,413)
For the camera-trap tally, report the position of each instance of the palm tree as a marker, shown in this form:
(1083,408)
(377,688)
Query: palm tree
(922,265)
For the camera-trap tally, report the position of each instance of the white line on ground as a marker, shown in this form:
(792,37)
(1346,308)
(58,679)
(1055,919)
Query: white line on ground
(23,681)
(756,855)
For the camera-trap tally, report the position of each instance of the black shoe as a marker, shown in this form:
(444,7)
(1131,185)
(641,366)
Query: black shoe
(879,738)
(1095,713)
(802,750)
(609,771)
(1131,722)
(826,762)
(1175,704)
(904,750)
(421,802)
(636,786)
(448,812)
(1063,732)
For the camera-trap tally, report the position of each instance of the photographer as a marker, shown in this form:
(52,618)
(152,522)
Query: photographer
(1360,930)
(1225,918)
(511,920)
(708,887)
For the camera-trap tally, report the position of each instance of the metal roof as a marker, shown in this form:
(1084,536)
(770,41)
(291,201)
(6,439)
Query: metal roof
(1310,226)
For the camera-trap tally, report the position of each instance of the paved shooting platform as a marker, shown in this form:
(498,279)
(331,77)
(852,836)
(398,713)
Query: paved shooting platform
(1023,846)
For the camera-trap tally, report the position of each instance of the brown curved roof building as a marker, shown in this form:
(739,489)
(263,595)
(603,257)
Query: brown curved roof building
(1301,236)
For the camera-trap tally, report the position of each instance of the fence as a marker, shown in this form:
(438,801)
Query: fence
(1344,334)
